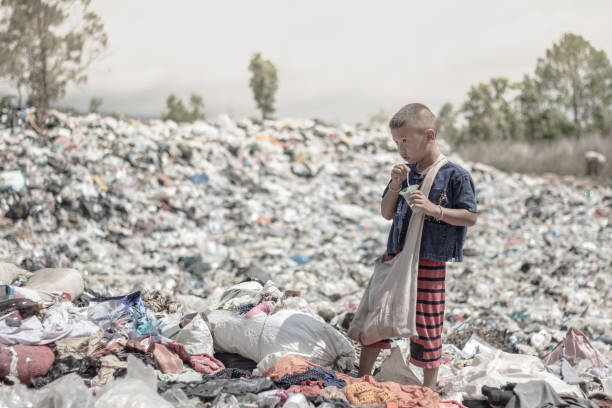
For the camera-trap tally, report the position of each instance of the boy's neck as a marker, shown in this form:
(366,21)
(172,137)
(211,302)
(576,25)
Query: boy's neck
(428,160)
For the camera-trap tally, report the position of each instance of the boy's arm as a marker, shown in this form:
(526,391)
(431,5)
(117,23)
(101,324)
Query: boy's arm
(453,216)
(389,203)
(457,216)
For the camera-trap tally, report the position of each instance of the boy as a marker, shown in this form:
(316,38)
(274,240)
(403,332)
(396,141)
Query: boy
(449,209)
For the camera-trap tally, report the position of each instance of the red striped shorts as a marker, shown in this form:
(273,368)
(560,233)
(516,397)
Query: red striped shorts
(426,348)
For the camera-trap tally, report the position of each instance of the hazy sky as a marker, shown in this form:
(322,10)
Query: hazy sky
(337,60)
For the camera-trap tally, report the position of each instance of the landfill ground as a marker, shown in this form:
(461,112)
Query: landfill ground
(183,212)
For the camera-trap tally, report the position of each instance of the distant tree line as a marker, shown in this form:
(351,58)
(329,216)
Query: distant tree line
(49,44)
(569,94)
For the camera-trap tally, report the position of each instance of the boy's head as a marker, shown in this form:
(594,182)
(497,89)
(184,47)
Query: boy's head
(414,131)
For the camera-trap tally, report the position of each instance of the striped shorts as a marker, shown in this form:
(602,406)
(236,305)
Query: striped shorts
(426,348)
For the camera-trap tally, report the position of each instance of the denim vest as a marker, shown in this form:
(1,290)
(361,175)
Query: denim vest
(453,187)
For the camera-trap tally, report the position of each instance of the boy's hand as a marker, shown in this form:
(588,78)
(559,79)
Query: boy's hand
(417,200)
(398,175)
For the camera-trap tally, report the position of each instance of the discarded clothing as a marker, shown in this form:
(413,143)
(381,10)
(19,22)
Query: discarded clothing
(539,394)
(363,393)
(497,396)
(288,365)
(167,361)
(188,375)
(308,388)
(314,374)
(230,373)
(147,358)
(111,368)
(212,388)
(85,368)
(407,396)
(24,362)
(72,347)
(332,392)
(202,363)
(233,360)
(335,402)
(602,400)
(451,404)
(575,347)
(476,403)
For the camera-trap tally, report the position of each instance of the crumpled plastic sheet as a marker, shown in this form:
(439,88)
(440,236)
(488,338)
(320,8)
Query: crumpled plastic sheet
(123,311)
(60,321)
(497,368)
(137,389)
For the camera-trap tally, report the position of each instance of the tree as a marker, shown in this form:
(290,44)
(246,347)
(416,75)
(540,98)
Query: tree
(576,79)
(95,104)
(197,107)
(179,113)
(48,44)
(379,118)
(264,83)
(446,123)
(489,112)
(540,120)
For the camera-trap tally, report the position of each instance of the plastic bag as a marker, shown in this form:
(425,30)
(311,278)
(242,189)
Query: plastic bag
(394,368)
(58,280)
(196,337)
(137,389)
(287,330)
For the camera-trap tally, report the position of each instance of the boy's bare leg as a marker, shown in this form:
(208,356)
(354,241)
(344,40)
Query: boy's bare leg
(367,360)
(430,377)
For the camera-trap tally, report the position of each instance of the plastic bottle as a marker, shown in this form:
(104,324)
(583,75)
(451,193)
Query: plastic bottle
(25,307)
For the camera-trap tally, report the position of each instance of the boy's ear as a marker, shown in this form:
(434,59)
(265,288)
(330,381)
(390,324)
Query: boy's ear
(431,134)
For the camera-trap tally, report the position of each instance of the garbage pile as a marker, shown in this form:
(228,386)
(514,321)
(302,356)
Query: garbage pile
(205,262)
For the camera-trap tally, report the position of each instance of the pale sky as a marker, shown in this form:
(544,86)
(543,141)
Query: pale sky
(337,60)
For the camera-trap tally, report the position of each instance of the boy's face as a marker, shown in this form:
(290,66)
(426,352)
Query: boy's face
(412,143)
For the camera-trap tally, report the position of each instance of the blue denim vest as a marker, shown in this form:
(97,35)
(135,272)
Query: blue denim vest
(453,187)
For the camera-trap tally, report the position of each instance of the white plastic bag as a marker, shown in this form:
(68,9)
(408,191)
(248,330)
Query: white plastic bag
(58,280)
(287,330)
(138,389)
(196,337)
(395,369)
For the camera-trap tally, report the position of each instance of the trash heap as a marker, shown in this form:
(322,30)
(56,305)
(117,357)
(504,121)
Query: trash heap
(221,262)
